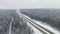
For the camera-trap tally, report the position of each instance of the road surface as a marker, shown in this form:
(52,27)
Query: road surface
(37,26)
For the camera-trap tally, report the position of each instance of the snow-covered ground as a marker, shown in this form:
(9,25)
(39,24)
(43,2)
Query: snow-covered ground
(47,27)
(41,24)
(44,25)
(10,27)
(35,31)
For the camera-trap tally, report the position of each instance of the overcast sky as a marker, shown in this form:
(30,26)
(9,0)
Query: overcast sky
(29,4)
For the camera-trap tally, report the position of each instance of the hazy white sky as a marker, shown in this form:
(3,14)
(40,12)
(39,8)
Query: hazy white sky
(29,4)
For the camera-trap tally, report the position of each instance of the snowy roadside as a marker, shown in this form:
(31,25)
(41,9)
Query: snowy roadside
(35,31)
(47,27)
(44,25)
(41,24)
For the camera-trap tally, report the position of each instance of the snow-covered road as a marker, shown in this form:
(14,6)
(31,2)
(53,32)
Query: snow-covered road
(10,26)
(45,25)
(39,23)
(35,31)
